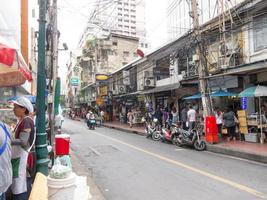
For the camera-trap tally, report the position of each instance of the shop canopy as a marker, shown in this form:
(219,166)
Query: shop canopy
(162,88)
(218,93)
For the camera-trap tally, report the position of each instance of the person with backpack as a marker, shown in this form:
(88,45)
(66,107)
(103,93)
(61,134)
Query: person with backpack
(5,160)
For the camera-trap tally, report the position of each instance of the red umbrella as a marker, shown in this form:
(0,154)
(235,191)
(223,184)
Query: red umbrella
(13,69)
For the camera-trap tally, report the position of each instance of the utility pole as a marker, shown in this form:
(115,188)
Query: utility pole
(41,141)
(54,62)
(202,72)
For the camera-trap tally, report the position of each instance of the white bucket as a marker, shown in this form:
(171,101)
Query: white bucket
(61,189)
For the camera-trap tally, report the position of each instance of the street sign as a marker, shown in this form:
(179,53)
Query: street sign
(74,81)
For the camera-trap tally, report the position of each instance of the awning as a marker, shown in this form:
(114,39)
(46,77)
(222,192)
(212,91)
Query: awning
(90,84)
(218,93)
(128,94)
(162,88)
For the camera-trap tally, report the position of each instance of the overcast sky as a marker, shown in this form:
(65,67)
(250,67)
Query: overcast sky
(73,14)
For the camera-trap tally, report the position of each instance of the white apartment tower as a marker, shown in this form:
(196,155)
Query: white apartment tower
(179,20)
(124,17)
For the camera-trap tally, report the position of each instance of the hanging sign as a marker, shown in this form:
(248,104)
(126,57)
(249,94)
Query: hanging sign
(244,103)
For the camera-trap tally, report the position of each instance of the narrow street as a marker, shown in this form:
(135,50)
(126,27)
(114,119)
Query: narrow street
(129,166)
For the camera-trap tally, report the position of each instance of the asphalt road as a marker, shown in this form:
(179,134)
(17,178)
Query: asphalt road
(127,166)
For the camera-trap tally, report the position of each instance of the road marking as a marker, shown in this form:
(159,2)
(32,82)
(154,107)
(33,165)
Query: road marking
(178,149)
(198,171)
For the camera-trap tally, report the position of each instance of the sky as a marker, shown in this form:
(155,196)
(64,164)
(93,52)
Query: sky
(73,15)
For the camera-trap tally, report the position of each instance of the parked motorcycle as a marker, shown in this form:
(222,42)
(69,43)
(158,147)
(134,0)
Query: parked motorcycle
(190,138)
(170,134)
(152,130)
(91,123)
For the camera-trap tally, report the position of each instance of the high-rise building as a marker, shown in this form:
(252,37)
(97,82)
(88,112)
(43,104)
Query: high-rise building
(178,14)
(124,17)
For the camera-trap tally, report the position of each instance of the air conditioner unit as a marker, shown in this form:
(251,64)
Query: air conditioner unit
(121,89)
(148,74)
(115,92)
(183,73)
(149,82)
(227,62)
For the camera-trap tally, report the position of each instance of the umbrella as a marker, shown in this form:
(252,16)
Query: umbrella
(30,97)
(195,96)
(13,69)
(256,91)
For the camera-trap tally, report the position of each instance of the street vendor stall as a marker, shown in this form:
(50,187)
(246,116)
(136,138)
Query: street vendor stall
(256,121)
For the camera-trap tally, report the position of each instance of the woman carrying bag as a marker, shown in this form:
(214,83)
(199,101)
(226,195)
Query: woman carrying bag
(21,145)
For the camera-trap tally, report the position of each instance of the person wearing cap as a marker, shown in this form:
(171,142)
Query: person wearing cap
(21,145)
(5,160)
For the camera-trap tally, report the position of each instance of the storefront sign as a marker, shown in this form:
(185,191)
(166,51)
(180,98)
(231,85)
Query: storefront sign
(244,103)
(103,90)
(100,101)
(101,77)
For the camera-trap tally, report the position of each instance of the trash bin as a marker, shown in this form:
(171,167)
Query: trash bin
(62,144)
(211,130)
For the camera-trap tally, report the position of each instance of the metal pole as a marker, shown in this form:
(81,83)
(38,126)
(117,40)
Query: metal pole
(54,64)
(207,110)
(41,137)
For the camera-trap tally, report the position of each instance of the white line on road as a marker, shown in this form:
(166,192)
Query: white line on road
(188,167)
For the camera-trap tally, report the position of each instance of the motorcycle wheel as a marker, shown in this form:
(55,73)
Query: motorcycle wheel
(200,145)
(156,136)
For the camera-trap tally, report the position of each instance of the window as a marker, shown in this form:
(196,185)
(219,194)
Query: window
(119,14)
(119,8)
(126,53)
(132,16)
(132,10)
(120,20)
(133,22)
(126,4)
(133,33)
(146,46)
(126,20)
(126,32)
(120,25)
(126,15)
(115,43)
(126,26)
(127,10)
(260,33)
(135,54)
(119,3)
(124,63)
(142,45)
(133,27)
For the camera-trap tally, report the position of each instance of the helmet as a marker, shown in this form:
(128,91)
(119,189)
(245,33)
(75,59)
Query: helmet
(155,120)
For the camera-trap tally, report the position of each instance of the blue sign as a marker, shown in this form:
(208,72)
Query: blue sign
(244,103)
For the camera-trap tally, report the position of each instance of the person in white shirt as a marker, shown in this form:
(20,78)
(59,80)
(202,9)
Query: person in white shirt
(191,117)
(219,120)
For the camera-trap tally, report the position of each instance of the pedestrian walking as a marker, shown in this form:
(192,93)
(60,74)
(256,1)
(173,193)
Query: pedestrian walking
(229,120)
(219,120)
(165,117)
(102,114)
(191,116)
(158,114)
(130,117)
(184,117)
(175,115)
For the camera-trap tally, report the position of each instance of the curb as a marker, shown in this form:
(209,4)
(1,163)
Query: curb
(237,153)
(211,148)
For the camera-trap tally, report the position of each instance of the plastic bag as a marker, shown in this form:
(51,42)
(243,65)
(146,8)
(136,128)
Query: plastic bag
(59,171)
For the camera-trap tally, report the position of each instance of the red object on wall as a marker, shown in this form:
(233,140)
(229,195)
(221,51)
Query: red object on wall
(7,55)
(140,53)
(211,130)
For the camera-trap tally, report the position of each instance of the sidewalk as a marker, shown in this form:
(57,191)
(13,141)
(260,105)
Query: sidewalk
(251,151)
